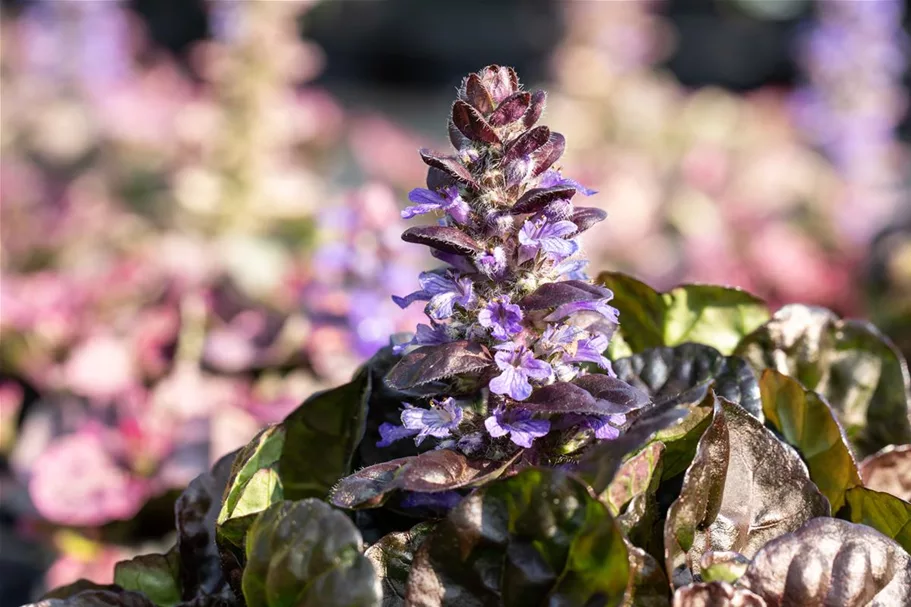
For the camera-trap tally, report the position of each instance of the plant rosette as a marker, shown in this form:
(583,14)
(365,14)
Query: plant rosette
(549,439)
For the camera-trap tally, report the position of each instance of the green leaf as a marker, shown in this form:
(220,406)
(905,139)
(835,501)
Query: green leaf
(889,471)
(719,566)
(850,363)
(686,372)
(828,561)
(743,488)
(808,424)
(322,436)
(254,485)
(886,513)
(392,557)
(154,575)
(712,315)
(307,554)
(536,538)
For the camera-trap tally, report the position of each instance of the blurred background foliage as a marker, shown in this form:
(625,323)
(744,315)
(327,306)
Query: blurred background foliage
(200,206)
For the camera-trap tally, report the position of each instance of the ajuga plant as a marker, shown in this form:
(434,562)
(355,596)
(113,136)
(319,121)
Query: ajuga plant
(546,439)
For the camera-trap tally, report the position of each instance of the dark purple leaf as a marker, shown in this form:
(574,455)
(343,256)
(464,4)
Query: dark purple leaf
(536,538)
(471,124)
(449,165)
(548,154)
(538,102)
(444,470)
(536,199)
(367,488)
(564,397)
(432,363)
(553,294)
(715,594)
(476,94)
(743,489)
(511,109)
(586,217)
(444,238)
(526,143)
(500,82)
(437,179)
(614,394)
(830,562)
(456,137)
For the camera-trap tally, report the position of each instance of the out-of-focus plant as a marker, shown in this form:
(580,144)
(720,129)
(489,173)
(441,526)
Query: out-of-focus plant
(504,455)
(708,185)
(158,300)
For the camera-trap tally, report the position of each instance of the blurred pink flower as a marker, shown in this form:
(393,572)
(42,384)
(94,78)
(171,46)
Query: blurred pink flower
(101,368)
(77,482)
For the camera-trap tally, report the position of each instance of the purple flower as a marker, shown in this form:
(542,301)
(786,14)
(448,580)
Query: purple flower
(518,423)
(553,178)
(428,201)
(596,315)
(493,263)
(517,365)
(425,335)
(503,318)
(571,269)
(589,349)
(543,235)
(438,421)
(606,427)
(443,291)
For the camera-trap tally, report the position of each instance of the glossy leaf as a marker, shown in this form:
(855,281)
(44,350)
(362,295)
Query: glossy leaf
(535,538)
(587,217)
(307,554)
(886,513)
(510,109)
(716,594)
(526,143)
(430,472)
(449,165)
(600,462)
(536,199)
(554,294)
(538,102)
(597,395)
(545,156)
(154,575)
(850,363)
(254,485)
(711,315)
(442,238)
(323,434)
(808,424)
(196,510)
(889,471)
(80,585)
(471,124)
(631,497)
(647,585)
(743,489)
(392,557)
(831,562)
(477,95)
(433,363)
(667,372)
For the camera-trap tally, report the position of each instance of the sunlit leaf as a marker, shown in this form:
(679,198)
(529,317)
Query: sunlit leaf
(808,424)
